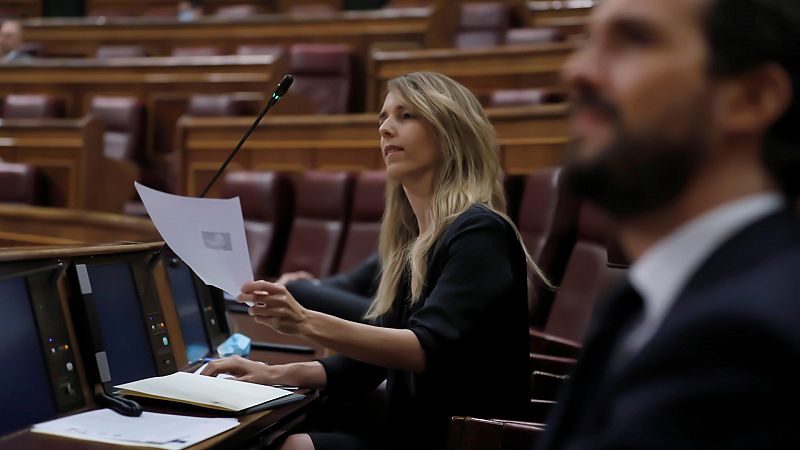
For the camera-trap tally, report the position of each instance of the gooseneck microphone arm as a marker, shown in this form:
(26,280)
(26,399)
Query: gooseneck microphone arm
(280,91)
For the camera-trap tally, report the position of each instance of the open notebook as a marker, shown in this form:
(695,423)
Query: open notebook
(228,395)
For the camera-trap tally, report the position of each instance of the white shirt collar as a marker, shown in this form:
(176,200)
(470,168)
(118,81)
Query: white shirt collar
(663,271)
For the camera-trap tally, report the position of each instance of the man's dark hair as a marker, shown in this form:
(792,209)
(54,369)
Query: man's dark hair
(744,34)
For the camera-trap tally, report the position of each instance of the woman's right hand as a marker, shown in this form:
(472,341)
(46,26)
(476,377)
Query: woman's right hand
(241,368)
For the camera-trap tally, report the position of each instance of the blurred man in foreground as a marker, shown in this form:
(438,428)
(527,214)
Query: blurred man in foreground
(687,130)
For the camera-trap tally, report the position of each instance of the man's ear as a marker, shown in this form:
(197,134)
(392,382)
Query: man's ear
(751,102)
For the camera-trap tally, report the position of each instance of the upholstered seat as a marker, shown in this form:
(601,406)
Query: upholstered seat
(323,74)
(32,106)
(482,24)
(319,225)
(124,121)
(266,199)
(20,183)
(365,219)
(120,51)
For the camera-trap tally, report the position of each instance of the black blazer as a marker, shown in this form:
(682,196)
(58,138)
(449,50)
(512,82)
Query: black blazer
(721,372)
(471,321)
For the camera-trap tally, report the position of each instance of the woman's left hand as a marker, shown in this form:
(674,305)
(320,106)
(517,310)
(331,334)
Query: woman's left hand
(274,306)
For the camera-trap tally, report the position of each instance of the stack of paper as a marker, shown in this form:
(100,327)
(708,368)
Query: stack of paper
(149,430)
(210,392)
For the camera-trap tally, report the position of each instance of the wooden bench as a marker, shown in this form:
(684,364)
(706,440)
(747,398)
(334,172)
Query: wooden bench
(481,70)
(159,36)
(69,153)
(158,82)
(530,137)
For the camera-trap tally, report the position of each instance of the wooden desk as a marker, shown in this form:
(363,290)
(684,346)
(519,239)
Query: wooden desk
(159,36)
(141,7)
(265,426)
(480,70)
(70,155)
(530,137)
(31,225)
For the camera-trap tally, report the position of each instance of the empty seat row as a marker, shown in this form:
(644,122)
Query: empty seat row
(327,222)
(320,223)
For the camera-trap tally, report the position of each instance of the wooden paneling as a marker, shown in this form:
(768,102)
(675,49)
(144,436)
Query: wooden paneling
(359,29)
(69,153)
(529,137)
(480,70)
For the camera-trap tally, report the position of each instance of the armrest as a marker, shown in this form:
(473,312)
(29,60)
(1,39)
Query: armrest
(551,364)
(470,433)
(545,386)
(548,344)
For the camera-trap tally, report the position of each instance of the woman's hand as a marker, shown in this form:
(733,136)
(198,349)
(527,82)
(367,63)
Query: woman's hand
(241,368)
(273,306)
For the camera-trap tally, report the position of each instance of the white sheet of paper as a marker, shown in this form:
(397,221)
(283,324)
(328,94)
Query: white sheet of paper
(155,430)
(226,394)
(206,233)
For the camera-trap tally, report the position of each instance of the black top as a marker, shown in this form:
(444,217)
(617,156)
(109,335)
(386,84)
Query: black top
(471,321)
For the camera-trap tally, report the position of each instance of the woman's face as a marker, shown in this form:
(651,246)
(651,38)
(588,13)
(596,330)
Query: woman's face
(408,145)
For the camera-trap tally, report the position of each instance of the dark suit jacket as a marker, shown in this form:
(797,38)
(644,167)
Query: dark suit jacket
(721,372)
(346,295)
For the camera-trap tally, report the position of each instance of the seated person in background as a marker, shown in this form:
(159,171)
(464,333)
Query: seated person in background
(190,10)
(449,323)
(346,295)
(685,118)
(11,42)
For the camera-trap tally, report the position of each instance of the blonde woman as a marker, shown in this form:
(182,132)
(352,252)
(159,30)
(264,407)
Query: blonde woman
(448,325)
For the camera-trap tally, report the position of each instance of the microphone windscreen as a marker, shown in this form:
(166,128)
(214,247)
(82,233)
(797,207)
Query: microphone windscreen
(284,85)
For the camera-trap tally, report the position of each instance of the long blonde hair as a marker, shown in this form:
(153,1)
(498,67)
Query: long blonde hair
(469,174)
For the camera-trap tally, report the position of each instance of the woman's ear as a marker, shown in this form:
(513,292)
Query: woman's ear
(753,101)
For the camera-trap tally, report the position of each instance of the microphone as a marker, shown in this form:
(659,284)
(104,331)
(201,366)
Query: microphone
(280,91)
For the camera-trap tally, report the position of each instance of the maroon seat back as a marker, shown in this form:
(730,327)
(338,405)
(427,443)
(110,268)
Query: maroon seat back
(547,223)
(120,51)
(124,119)
(32,106)
(517,36)
(267,200)
(323,74)
(524,97)
(237,11)
(275,50)
(320,219)
(20,183)
(586,277)
(212,105)
(369,199)
(483,24)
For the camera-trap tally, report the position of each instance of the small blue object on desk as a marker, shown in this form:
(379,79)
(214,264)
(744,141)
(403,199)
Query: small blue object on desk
(236,344)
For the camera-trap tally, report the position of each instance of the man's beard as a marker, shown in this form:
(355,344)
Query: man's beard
(638,174)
